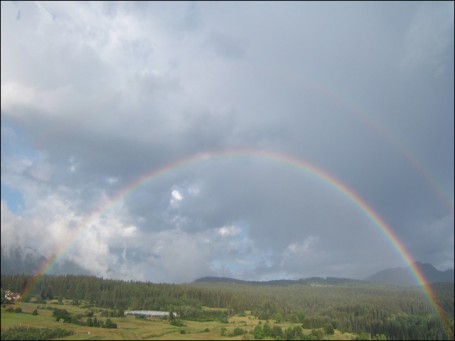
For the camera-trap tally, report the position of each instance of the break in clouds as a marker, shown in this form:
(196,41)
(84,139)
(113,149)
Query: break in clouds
(96,95)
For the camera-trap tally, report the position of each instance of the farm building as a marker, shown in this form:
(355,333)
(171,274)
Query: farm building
(149,313)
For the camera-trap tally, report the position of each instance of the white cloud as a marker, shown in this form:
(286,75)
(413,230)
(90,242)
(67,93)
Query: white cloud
(93,253)
(306,247)
(73,164)
(178,256)
(194,190)
(10,231)
(293,247)
(176,196)
(305,257)
(228,231)
(44,228)
(129,231)
(112,180)
(14,94)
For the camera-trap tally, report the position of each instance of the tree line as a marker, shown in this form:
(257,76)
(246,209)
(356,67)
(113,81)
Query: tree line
(398,313)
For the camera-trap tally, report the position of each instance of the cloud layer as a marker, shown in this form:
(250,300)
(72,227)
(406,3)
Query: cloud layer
(96,95)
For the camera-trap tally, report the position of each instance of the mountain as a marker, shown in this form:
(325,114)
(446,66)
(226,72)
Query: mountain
(405,277)
(218,280)
(27,260)
(395,276)
(20,261)
(305,281)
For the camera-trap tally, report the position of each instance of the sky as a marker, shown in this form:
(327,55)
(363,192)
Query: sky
(95,96)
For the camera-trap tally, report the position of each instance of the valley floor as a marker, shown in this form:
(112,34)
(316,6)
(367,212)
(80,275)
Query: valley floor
(132,328)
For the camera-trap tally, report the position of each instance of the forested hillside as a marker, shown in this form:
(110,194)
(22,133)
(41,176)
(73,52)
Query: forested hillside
(398,313)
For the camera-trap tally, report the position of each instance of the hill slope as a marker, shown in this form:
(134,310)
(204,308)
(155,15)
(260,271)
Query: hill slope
(404,276)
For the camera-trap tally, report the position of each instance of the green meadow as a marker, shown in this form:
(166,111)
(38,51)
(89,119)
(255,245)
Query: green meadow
(132,328)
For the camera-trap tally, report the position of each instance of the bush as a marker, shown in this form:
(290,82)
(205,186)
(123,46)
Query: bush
(31,333)
(18,310)
(278,318)
(277,332)
(362,336)
(258,332)
(224,319)
(317,333)
(110,324)
(35,312)
(328,328)
(62,314)
(177,323)
(238,331)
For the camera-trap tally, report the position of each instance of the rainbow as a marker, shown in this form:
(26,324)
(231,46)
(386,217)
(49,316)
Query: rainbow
(363,115)
(279,157)
(400,147)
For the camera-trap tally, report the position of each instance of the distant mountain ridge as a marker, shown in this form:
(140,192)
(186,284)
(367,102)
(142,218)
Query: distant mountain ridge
(21,261)
(404,276)
(307,281)
(401,276)
(27,260)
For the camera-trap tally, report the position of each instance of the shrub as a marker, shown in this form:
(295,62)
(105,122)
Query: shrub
(237,331)
(258,332)
(110,324)
(267,330)
(62,314)
(317,333)
(328,328)
(31,333)
(277,332)
(362,336)
(177,322)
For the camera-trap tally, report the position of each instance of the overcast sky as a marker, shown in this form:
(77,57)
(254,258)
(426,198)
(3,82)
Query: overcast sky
(95,95)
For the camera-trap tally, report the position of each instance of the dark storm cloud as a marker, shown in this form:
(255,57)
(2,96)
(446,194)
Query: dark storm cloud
(100,94)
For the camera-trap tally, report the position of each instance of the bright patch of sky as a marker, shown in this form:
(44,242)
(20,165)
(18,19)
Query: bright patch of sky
(14,198)
(175,197)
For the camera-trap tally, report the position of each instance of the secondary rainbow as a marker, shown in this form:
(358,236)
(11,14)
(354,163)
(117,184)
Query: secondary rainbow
(279,157)
(297,82)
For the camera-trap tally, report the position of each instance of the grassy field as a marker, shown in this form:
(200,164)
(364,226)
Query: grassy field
(131,328)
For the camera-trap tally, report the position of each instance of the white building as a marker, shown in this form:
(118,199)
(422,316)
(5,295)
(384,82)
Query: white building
(149,313)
